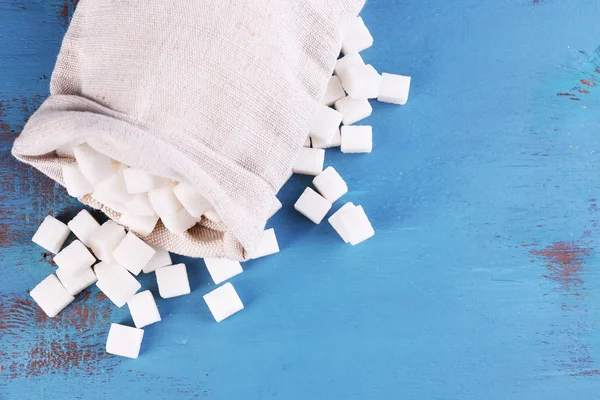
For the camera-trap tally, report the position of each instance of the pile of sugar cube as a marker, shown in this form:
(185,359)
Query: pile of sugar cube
(111,256)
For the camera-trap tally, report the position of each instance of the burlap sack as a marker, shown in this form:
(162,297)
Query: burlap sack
(217,93)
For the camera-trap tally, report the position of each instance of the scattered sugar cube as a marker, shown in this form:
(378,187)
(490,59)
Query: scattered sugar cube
(221,269)
(275,207)
(346,62)
(212,215)
(133,253)
(334,91)
(195,204)
(75,283)
(354,110)
(357,139)
(161,258)
(74,258)
(223,302)
(140,181)
(83,226)
(179,222)
(164,201)
(105,239)
(312,205)
(362,82)
(51,296)
(358,37)
(326,123)
(335,142)
(336,221)
(143,309)
(140,225)
(330,184)
(113,188)
(139,204)
(357,226)
(309,161)
(306,142)
(267,245)
(95,166)
(124,341)
(394,89)
(75,182)
(116,283)
(172,281)
(51,234)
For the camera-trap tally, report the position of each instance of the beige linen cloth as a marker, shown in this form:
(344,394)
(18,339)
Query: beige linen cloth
(217,93)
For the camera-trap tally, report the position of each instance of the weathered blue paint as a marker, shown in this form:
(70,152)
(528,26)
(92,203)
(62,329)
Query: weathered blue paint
(481,282)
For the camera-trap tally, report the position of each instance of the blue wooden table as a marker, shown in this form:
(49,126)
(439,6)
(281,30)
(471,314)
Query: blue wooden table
(482,281)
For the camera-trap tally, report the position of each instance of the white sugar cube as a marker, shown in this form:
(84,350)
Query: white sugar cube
(306,142)
(164,201)
(77,185)
(330,184)
(74,258)
(140,181)
(346,62)
(362,82)
(116,283)
(336,221)
(309,161)
(275,207)
(394,89)
(195,204)
(312,205)
(139,205)
(113,188)
(221,269)
(354,110)
(65,151)
(83,226)
(357,139)
(334,91)
(356,225)
(124,341)
(358,37)
(213,215)
(140,225)
(51,234)
(133,253)
(108,202)
(161,258)
(172,281)
(143,309)
(326,123)
(51,296)
(223,302)
(75,283)
(267,245)
(95,166)
(179,222)
(335,142)
(105,239)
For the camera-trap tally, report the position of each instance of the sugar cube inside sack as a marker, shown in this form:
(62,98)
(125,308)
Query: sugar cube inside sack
(51,296)
(195,204)
(140,181)
(330,184)
(133,253)
(74,258)
(172,281)
(140,225)
(51,234)
(213,215)
(312,205)
(336,221)
(346,62)
(353,110)
(95,166)
(334,91)
(77,185)
(358,37)
(222,269)
(143,309)
(75,283)
(223,302)
(113,188)
(139,205)
(326,123)
(362,82)
(307,142)
(65,151)
(124,341)
(105,239)
(267,244)
(357,139)
(394,89)
(83,226)
(179,221)
(356,225)
(335,142)
(109,202)
(161,258)
(275,207)
(164,201)
(116,283)
(309,161)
